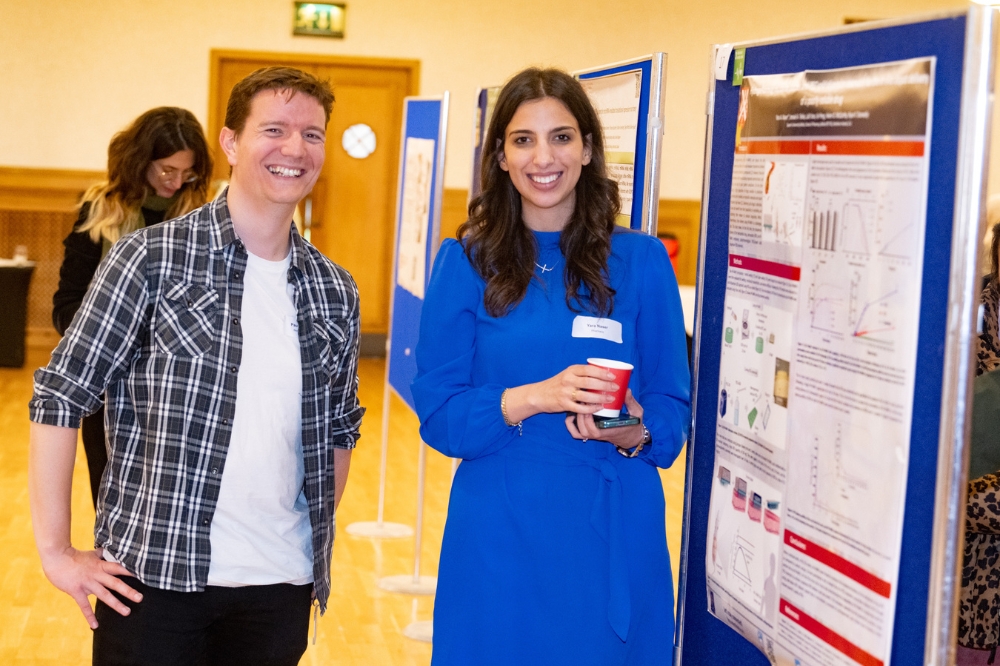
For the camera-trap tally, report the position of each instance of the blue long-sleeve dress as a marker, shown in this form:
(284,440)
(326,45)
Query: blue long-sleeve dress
(555,549)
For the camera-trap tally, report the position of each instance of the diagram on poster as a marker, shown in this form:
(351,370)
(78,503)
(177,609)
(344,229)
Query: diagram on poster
(753,386)
(816,375)
(783,201)
(839,482)
(745,534)
(411,267)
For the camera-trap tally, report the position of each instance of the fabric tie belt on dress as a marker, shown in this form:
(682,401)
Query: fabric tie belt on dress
(606,518)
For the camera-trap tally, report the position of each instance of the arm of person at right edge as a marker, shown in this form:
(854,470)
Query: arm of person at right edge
(982,510)
(457,418)
(81,257)
(97,348)
(75,572)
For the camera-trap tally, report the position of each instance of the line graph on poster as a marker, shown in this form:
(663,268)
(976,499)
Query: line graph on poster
(839,481)
(855,300)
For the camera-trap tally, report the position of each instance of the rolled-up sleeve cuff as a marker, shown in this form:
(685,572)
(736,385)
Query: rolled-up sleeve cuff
(58,401)
(346,429)
(53,412)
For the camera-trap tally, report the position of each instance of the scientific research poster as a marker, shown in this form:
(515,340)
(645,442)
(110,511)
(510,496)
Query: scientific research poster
(411,266)
(616,99)
(826,240)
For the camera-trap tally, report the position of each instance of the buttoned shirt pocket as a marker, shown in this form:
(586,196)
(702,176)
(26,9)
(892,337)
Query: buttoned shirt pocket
(186,319)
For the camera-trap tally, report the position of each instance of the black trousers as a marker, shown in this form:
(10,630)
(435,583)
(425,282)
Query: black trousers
(261,625)
(92,431)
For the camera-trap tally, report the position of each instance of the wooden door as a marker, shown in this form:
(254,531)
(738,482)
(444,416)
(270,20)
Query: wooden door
(353,203)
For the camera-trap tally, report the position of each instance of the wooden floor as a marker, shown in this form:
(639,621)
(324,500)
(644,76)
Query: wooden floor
(39,625)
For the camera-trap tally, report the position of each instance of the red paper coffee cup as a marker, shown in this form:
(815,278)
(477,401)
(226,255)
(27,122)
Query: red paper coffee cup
(622,371)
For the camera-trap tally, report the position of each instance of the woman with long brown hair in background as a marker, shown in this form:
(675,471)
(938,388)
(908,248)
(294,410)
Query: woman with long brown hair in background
(158,169)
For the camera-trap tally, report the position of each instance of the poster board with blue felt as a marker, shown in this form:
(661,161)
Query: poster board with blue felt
(418,221)
(702,639)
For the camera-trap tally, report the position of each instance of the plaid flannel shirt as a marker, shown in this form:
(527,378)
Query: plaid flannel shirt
(159,332)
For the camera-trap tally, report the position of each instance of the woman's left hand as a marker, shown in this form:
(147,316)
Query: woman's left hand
(582,426)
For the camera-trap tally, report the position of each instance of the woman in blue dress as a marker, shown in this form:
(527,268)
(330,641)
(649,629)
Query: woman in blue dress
(555,548)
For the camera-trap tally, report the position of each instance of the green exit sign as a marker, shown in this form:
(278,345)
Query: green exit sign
(322,20)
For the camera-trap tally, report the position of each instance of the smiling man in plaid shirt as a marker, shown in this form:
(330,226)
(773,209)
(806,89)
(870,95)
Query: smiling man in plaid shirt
(228,349)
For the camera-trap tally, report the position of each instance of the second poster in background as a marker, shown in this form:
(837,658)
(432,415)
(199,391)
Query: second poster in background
(616,99)
(827,217)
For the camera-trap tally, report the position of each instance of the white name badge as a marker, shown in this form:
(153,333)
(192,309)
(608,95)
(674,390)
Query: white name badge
(595,327)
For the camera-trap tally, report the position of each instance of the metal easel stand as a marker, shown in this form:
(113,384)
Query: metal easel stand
(380,529)
(423,630)
(415,584)
(419,630)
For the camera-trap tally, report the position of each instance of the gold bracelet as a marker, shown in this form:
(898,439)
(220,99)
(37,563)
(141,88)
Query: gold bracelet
(503,412)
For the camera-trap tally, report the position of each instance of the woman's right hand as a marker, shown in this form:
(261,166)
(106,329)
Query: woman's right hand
(581,389)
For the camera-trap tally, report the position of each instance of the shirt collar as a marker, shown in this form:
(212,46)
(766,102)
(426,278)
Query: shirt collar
(299,251)
(223,233)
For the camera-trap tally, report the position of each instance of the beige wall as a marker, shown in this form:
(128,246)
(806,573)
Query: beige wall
(73,73)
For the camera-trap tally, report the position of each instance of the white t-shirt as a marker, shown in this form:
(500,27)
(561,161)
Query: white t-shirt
(261,533)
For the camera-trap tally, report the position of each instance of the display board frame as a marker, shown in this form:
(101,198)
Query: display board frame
(649,134)
(963,44)
(485,98)
(424,117)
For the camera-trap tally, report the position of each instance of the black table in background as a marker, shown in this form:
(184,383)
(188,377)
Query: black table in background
(15,278)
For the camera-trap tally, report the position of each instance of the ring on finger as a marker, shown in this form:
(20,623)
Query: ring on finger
(573,395)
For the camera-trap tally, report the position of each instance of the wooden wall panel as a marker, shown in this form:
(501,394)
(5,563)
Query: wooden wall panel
(454,211)
(44,189)
(42,232)
(37,210)
(681,218)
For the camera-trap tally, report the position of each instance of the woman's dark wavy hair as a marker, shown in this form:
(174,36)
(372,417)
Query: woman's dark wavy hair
(499,244)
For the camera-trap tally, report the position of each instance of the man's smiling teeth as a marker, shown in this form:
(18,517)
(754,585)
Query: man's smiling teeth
(282,171)
(544,180)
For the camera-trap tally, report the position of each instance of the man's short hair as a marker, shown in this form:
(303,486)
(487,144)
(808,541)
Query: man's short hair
(274,78)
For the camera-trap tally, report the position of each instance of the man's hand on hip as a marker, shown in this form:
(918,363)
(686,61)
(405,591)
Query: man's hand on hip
(80,573)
